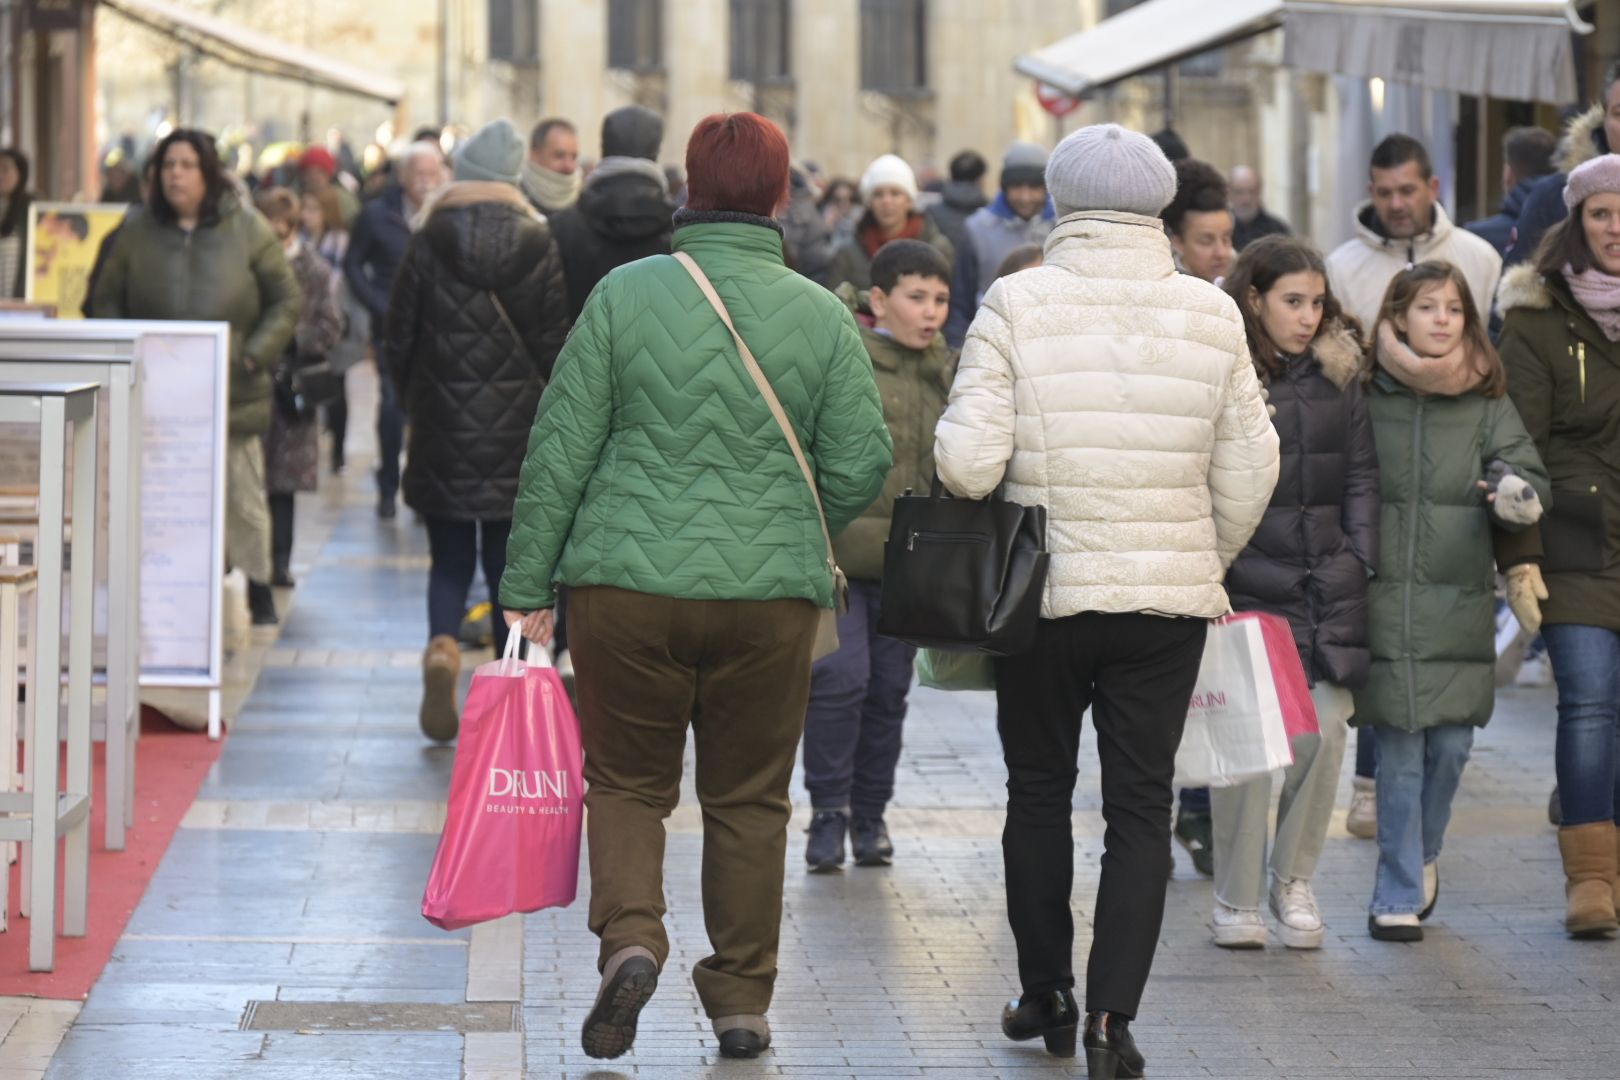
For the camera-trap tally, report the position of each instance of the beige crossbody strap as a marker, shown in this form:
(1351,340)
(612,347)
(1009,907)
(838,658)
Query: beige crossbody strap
(764,385)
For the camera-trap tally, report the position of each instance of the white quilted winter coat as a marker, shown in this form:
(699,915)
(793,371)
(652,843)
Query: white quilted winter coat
(1121,396)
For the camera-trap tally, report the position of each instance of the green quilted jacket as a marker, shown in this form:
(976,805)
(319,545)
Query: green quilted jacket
(1433,597)
(655,466)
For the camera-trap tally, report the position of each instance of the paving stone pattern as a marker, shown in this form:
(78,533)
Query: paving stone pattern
(299,877)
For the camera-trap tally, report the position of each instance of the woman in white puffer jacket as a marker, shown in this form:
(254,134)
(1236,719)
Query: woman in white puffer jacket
(1121,396)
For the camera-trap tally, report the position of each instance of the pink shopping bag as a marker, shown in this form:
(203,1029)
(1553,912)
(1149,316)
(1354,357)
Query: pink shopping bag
(511,835)
(1288,672)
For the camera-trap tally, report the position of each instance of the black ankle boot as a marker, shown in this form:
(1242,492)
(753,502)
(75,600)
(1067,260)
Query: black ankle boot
(262,604)
(1110,1050)
(1052,1015)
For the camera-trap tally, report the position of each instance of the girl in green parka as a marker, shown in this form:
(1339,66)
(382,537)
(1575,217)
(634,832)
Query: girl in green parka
(1455,462)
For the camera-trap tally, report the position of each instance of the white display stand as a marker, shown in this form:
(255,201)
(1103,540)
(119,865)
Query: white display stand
(46,812)
(179,378)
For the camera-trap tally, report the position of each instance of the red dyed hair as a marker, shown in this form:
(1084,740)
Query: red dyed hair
(736,161)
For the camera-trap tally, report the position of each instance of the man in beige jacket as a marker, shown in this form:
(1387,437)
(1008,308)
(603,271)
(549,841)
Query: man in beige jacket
(1402,224)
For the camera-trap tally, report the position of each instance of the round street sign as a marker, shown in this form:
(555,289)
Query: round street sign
(1055,101)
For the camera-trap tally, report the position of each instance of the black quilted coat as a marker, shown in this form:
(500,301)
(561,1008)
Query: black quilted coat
(468,385)
(1309,559)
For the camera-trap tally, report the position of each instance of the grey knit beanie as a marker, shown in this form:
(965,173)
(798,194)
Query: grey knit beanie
(1107,167)
(1025,163)
(495,152)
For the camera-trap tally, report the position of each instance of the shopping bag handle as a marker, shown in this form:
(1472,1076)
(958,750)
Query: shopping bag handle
(538,657)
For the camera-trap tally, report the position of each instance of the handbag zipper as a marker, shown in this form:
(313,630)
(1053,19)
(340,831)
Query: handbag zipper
(942,538)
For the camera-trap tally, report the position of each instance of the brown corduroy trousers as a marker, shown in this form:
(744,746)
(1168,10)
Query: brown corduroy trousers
(738,673)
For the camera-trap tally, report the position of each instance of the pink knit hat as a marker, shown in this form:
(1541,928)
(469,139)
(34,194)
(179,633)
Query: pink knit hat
(1598,176)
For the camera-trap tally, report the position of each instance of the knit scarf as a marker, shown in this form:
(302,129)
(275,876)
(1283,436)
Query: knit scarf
(1599,294)
(550,190)
(1451,375)
(872,236)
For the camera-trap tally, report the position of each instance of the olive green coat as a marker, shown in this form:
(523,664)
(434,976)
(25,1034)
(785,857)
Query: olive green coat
(230,269)
(1564,378)
(914,385)
(1432,598)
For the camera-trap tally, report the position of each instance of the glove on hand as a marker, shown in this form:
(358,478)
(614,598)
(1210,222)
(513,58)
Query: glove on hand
(1525,591)
(1512,498)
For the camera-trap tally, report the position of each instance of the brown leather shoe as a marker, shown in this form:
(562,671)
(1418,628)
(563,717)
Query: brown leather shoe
(441,667)
(1590,856)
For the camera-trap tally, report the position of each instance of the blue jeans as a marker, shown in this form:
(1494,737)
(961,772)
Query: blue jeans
(857,709)
(1586,666)
(1418,774)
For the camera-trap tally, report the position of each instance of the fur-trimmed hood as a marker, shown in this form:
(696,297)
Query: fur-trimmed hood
(1339,351)
(1583,139)
(1523,286)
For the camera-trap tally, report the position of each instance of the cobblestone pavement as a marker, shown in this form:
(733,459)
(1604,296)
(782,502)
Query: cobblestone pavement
(298,875)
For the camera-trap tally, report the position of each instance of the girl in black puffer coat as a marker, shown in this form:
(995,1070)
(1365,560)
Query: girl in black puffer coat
(477,317)
(1309,561)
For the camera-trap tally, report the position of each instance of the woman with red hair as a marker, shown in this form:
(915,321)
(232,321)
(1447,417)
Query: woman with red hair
(660,488)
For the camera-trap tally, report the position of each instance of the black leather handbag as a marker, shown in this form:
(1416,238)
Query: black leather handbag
(964,575)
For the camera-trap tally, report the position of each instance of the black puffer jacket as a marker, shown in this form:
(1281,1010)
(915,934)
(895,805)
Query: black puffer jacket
(619,218)
(1309,559)
(468,385)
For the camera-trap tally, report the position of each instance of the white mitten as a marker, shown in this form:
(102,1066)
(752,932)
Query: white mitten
(1516,501)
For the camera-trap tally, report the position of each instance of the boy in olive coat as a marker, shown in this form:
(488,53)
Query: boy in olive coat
(858,694)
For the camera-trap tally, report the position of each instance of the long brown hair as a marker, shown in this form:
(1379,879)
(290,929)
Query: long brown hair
(1565,245)
(1404,290)
(1259,267)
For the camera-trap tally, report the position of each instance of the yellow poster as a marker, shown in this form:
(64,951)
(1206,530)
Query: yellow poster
(63,241)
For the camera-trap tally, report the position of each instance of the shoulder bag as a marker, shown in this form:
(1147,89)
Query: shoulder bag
(964,575)
(827,631)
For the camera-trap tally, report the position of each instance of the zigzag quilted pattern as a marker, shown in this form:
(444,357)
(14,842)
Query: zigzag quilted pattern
(654,465)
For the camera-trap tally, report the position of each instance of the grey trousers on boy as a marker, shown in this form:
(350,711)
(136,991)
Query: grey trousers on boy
(1310,787)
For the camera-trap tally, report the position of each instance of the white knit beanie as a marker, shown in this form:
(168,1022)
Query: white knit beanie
(1107,167)
(890,171)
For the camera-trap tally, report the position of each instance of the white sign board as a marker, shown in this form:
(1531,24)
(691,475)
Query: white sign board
(184,375)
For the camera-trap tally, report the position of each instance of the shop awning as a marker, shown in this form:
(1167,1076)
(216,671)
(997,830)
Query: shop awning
(1518,49)
(254,51)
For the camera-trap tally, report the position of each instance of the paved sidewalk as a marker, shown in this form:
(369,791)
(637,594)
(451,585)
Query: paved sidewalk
(297,879)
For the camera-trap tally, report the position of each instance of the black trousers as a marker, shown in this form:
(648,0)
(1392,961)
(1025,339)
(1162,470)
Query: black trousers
(281,531)
(1136,673)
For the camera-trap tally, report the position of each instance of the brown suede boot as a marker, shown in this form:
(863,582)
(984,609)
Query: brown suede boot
(441,667)
(1589,853)
(1617,870)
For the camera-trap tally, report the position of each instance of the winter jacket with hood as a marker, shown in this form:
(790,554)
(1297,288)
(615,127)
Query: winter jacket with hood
(1361,269)
(468,384)
(1564,378)
(957,203)
(913,385)
(992,233)
(853,264)
(376,247)
(230,268)
(1121,396)
(654,464)
(623,213)
(1500,230)
(1433,597)
(1310,559)
(1584,139)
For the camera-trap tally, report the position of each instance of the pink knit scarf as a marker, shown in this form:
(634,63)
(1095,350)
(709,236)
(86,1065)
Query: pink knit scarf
(1451,375)
(1599,294)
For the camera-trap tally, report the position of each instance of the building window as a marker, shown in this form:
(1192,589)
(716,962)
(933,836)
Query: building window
(636,35)
(894,46)
(759,41)
(514,31)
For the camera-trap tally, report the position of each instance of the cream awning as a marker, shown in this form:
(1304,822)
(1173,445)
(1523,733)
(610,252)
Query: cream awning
(254,51)
(1517,49)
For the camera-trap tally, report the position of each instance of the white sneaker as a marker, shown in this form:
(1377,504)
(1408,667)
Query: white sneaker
(1236,929)
(1431,889)
(1299,920)
(1534,672)
(1362,820)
